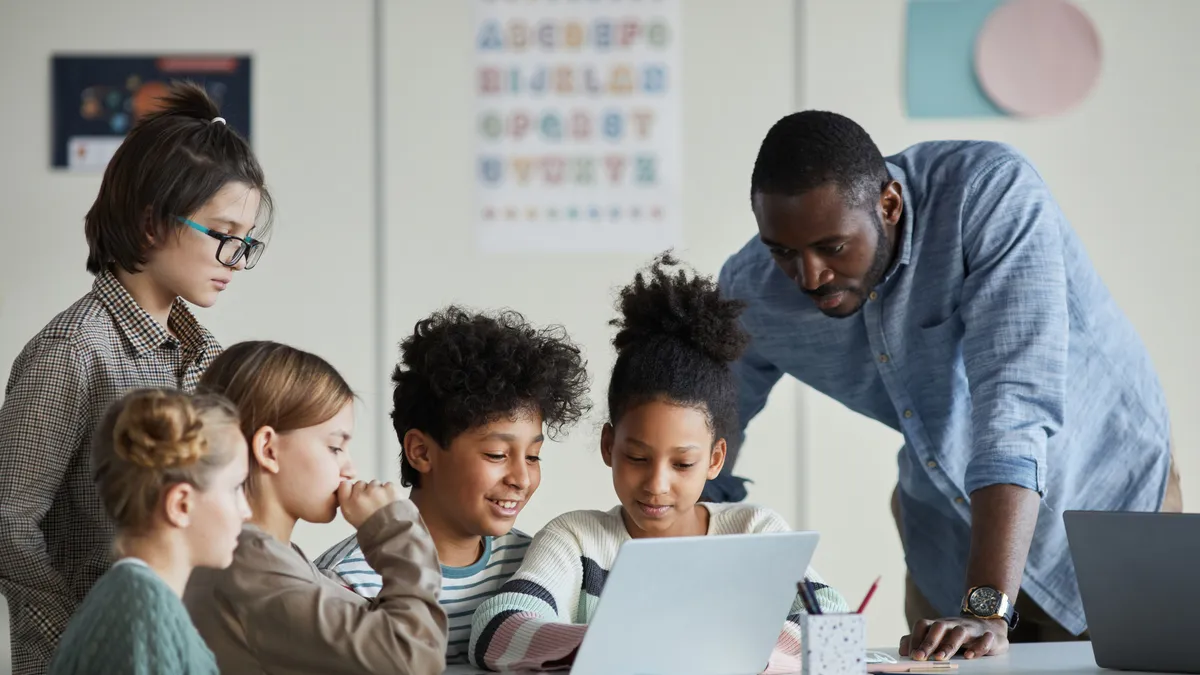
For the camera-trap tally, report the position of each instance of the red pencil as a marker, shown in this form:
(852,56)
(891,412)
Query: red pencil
(871,592)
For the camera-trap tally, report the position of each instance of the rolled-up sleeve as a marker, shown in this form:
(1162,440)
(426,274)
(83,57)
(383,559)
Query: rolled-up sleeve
(1014,311)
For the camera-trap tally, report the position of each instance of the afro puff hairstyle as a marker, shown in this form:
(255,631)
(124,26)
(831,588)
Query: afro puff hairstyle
(676,339)
(460,370)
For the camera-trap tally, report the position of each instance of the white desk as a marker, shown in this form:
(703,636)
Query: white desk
(1063,658)
(1060,658)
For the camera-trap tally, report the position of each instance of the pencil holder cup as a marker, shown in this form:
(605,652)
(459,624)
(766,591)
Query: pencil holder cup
(833,644)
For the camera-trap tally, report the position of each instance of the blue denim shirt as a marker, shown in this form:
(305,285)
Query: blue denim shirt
(994,348)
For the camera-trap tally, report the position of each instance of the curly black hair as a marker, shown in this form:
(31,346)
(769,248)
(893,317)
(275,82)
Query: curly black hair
(676,339)
(811,148)
(460,370)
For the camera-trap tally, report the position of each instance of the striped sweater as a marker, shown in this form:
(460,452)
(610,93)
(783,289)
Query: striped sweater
(463,588)
(538,619)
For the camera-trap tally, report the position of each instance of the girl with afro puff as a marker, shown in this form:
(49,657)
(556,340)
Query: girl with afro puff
(671,405)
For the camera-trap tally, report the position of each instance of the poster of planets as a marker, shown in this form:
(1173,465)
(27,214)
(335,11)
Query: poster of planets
(97,99)
(577,125)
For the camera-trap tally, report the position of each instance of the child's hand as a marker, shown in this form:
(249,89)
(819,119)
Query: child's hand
(360,500)
(782,662)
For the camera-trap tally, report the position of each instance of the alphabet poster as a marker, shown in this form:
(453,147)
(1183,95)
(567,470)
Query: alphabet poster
(578,125)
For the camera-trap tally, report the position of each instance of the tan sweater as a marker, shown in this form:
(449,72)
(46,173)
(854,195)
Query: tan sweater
(273,611)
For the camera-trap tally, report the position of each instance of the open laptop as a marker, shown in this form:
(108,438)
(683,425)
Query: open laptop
(1139,576)
(694,605)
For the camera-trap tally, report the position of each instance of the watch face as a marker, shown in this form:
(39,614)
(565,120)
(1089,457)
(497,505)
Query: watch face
(984,602)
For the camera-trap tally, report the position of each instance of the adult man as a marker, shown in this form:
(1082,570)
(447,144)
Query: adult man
(942,293)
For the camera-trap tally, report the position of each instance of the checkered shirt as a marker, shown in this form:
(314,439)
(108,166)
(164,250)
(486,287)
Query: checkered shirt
(55,539)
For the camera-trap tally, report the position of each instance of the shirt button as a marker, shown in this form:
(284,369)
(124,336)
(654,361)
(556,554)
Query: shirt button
(959,500)
(883,358)
(907,414)
(931,464)
(873,295)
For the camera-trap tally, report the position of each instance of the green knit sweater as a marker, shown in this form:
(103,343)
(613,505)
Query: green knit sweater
(132,623)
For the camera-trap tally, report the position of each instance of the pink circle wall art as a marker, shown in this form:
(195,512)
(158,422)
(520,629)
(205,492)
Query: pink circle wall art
(1037,57)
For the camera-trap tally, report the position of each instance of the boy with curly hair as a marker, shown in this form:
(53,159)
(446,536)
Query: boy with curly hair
(475,395)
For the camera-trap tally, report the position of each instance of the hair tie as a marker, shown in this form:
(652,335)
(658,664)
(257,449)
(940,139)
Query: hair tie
(219,119)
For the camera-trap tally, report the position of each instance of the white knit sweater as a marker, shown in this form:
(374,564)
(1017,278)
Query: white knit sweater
(539,617)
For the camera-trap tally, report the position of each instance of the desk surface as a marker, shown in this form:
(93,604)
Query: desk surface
(1060,658)
(1064,658)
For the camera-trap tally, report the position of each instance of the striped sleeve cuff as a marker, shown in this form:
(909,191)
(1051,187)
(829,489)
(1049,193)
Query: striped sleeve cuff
(518,641)
(503,626)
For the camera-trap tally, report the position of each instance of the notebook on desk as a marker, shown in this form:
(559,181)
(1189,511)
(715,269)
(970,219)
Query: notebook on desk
(879,662)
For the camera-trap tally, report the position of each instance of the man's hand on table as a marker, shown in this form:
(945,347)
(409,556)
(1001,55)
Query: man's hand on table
(941,639)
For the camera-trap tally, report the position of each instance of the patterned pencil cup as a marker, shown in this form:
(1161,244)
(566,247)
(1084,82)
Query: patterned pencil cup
(833,644)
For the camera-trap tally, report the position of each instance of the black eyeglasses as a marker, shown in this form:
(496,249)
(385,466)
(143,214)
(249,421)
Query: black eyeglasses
(231,249)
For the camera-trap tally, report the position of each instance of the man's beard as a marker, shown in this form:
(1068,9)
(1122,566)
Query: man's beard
(871,279)
(879,264)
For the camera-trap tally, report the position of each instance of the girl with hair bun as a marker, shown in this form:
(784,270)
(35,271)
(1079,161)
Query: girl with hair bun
(169,469)
(672,403)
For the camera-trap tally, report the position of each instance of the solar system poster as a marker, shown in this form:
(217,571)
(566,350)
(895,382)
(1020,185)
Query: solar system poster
(98,98)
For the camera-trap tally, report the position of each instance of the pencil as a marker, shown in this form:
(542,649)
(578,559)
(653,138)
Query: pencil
(802,591)
(870,592)
(812,595)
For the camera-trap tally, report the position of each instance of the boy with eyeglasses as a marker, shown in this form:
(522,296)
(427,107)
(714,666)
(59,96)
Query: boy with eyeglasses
(132,330)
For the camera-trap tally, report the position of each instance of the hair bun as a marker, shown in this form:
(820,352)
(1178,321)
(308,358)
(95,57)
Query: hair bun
(159,430)
(668,302)
(185,99)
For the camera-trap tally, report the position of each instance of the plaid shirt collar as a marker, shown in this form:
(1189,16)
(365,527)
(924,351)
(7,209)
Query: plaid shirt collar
(142,331)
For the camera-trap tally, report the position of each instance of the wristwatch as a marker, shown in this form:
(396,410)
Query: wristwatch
(986,602)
